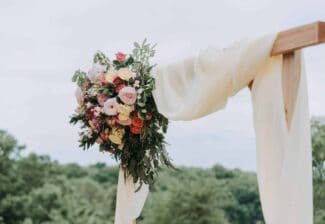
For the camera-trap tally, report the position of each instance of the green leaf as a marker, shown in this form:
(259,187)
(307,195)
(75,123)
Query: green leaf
(136,44)
(79,77)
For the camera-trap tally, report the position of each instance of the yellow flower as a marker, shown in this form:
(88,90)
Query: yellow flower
(116,140)
(124,112)
(124,109)
(125,74)
(111,75)
(123,117)
(116,135)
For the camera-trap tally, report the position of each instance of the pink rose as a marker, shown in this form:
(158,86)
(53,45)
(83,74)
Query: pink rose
(128,95)
(110,107)
(79,95)
(120,56)
(101,99)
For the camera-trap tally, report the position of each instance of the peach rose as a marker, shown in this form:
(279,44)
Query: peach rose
(126,122)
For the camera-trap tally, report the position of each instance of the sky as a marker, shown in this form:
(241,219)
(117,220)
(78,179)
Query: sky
(43,42)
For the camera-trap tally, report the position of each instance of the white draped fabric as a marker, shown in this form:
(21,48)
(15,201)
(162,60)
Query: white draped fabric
(200,85)
(129,203)
(283,155)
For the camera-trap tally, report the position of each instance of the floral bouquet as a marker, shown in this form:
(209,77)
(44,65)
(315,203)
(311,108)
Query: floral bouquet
(116,109)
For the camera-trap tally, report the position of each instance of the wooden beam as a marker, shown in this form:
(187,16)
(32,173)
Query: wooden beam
(299,37)
(291,73)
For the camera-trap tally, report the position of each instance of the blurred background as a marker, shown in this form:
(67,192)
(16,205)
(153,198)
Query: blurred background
(43,42)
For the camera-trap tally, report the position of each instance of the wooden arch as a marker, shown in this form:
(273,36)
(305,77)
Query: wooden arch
(289,43)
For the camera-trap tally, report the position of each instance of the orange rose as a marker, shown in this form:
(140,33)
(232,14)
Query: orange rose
(137,122)
(135,130)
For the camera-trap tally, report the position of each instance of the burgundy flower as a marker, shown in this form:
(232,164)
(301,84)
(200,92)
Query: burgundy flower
(119,84)
(119,87)
(90,113)
(117,81)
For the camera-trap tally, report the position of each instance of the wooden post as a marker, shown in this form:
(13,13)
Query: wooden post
(291,71)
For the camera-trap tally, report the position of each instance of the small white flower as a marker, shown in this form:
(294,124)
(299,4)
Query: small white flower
(89,133)
(136,84)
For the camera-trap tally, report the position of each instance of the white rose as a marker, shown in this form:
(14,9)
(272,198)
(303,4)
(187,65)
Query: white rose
(125,74)
(111,75)
(96,71)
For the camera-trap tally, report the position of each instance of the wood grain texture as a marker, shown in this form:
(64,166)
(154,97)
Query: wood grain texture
(299,37)
(291,73)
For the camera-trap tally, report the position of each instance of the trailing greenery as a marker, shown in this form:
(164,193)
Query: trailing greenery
(36,190)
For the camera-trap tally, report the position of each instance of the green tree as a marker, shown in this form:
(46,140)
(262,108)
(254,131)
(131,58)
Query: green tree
(9,151)
(36,190)
(318,144)
(198,202)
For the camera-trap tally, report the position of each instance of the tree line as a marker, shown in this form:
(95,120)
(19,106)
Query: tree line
(37,190)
